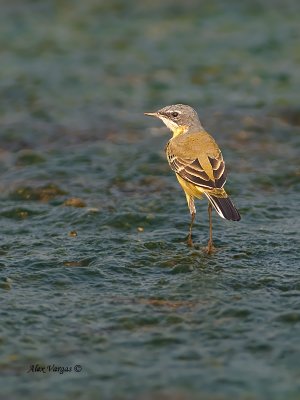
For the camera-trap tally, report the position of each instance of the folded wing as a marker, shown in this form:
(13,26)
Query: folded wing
(192,171)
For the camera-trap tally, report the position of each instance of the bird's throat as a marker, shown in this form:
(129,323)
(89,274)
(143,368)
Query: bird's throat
(179,130)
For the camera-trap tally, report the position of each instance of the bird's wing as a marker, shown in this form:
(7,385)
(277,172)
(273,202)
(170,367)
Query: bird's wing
(209,176)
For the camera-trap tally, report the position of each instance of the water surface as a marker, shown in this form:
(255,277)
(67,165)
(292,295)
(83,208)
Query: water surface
(94,268)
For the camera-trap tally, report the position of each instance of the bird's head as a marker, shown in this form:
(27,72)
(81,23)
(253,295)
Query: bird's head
(179,118)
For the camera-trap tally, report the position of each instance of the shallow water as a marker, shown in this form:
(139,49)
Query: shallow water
(94,268)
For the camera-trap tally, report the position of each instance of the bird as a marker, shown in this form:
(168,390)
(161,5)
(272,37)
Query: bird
(197,161)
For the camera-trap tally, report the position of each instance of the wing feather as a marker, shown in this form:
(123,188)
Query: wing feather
(219,171)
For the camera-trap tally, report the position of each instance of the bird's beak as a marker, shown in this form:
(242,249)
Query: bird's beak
(152,114)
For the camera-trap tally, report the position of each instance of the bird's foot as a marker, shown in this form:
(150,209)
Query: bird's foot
(210,247)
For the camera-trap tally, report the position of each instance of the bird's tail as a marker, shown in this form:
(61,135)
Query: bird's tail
(224,207)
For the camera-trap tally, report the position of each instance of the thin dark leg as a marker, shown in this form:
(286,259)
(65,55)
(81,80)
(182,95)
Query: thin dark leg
(210,245)
(190,241)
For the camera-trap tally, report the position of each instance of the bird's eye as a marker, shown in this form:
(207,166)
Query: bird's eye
(175,114)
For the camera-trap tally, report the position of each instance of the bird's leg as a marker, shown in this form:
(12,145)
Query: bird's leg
(210,246)
(192,209)
(190,241)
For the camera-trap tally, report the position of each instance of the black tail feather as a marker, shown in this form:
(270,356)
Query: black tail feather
(224,207)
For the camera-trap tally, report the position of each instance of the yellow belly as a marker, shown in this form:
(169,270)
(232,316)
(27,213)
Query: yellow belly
(190,188)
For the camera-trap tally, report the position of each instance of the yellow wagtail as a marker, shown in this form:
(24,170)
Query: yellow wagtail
(197,161)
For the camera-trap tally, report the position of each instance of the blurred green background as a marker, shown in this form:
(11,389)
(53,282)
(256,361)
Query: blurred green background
(87,64)
(93,265)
